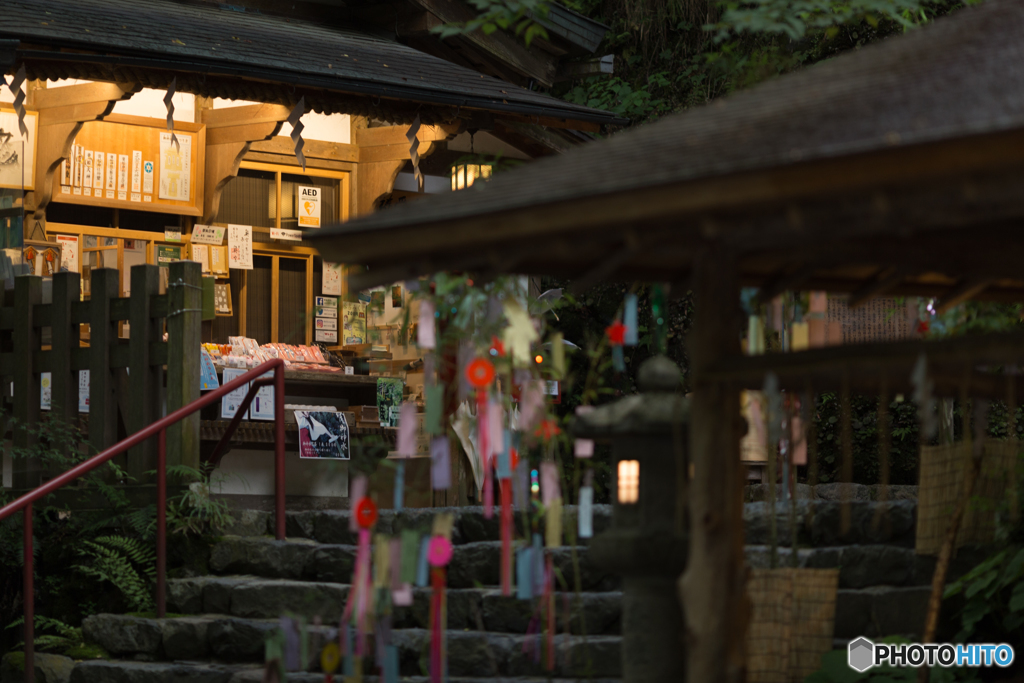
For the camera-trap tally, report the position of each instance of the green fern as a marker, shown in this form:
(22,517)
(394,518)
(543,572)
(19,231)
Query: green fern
(126,563)
(64,636)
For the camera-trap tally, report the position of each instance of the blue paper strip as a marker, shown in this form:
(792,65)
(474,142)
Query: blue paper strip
(391,664)
(399,485)
(618,359)
(629,320)
(524,574)
(421,567)
(537,555)
(505,458)
(350,655)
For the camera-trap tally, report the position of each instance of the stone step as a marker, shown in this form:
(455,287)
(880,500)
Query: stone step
(473,564)
(233,639)
(484,609)
(121,671)
(818,522)
(881,611)
(863,566)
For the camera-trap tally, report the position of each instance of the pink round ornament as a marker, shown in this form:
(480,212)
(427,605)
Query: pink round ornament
(439,552)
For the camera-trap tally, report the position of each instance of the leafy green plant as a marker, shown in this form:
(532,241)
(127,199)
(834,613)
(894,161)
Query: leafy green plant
(195,512)
(522,17)
(993,599)
(53,635)
(128,564)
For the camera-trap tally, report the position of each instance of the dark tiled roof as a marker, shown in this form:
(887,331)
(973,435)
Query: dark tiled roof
(960,76)
(201,37)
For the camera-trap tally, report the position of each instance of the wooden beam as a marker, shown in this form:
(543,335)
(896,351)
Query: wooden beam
(64,113)
(785,282)
(630,248)
(86,93)
(395,135)
(966,289)
(373,181)
(313,149)
(369,155)
(713,588)
(253,113)
(225,149)
(498,45)
(885,281)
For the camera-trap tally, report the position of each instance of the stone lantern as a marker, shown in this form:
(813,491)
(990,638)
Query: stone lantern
(647,541)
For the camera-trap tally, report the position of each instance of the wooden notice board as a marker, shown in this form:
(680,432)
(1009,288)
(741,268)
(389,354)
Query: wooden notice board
(129,162)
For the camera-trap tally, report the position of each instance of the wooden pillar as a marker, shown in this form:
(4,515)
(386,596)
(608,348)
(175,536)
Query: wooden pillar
(105,285)
(144,378)
(184,328)
(28,292)
(713,587)
(64,343)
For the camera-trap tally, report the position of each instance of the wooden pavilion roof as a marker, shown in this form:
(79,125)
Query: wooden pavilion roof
(216,51)
(897,168)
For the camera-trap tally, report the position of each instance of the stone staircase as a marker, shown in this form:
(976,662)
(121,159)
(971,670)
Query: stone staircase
(219,622)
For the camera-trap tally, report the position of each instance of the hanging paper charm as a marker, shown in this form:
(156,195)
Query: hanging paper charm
(169,104)
(295,121)
(414,153)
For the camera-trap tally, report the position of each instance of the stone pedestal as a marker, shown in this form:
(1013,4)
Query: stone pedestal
(647,541)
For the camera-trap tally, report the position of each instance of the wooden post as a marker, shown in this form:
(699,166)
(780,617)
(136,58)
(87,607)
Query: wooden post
(144,379)
(713,588)
(184,328)
(64,342)
(28,292)
(102,337)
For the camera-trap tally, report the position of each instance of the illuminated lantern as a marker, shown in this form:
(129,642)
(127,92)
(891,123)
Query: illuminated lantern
(643,544)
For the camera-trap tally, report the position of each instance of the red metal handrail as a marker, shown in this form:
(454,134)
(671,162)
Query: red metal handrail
(160,426)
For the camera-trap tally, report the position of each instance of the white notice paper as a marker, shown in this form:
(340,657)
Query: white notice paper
(240,247)
(136,171)
(87,178)
(172,233)
(122,173)
(175,168)
(332,279)
(147,177)
(286,234)
(68,253)
(83,391)
(97,171)
(207,234)
(262,407)
(230,404)
(111,174)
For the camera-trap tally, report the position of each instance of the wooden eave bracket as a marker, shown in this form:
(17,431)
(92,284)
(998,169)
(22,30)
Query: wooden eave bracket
(62,113)
(229,134)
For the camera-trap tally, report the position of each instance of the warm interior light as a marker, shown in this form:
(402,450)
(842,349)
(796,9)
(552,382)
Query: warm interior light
(464,175)
(539,358)
(629,481)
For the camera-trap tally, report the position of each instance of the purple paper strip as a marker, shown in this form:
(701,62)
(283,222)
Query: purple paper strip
(407,424)
(440,463)
(549,489)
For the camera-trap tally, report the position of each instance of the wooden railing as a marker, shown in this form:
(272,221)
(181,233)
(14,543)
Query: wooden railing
(135,375)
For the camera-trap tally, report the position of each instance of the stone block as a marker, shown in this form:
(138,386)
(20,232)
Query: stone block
(269,599)
(238,640)
(49,668)
(260,556)
(333,563)
(185,638)
(121,634)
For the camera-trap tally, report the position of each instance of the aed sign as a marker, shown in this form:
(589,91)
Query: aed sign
(308,207)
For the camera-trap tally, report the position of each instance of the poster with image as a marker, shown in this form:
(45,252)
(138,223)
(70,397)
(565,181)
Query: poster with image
(389,400)
(17,152)
(322,434)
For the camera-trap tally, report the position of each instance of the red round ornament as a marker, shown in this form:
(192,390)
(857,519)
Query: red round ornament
(366,513)
(480,372)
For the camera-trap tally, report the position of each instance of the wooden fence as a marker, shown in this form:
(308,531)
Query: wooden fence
(127,376)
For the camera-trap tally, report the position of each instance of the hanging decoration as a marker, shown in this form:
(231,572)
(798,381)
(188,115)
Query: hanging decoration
(169,105)
(17,89)
(295,121)
(616,334)
(439,555)
(414,153)
(629,319)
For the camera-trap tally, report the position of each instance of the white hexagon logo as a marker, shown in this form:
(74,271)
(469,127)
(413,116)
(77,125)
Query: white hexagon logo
(860,654)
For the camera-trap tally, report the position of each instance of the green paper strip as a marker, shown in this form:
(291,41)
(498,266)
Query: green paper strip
(435,407)
(410,553)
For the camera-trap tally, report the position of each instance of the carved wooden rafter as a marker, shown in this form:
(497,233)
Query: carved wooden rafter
(383,151)
(229,134)
(62,113)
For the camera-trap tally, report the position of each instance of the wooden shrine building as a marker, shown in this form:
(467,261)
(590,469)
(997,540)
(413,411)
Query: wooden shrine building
(897,169)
